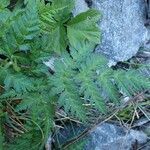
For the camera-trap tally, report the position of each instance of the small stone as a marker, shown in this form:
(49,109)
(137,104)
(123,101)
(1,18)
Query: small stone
(112,137)
(50,63)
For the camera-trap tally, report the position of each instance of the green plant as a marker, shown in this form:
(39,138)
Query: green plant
(84,77)
(32,32)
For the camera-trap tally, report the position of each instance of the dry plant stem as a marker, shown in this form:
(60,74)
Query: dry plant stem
(15,116)
(122,123)
(144,54)
(25,119)
(88,105)
(87,131)
(144,113)
(67,118)
(134,99)
(15,128)
(133,117)
(141,148)
(1,87)
(90,130)
(18,124)
(60,127)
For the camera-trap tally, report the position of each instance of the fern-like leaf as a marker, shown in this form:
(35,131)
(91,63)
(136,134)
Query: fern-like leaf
(52,19)
(106,82)
(83,27)
(130,82)
(4,12)
(18,82)
(21,31)
(86,78)
(2,137)
(39,124)
(90,78)
(63,85)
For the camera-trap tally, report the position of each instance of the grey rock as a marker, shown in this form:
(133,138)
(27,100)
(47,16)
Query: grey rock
(146,129)
(141,122)
(144,125)
(146,69)
(122,27)
(112,137)
(80,6)
(146,45)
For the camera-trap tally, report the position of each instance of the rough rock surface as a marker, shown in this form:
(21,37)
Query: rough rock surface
(145,70)
(144,125)
(146,45)
(112,137)
(122,26)
(80,6)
